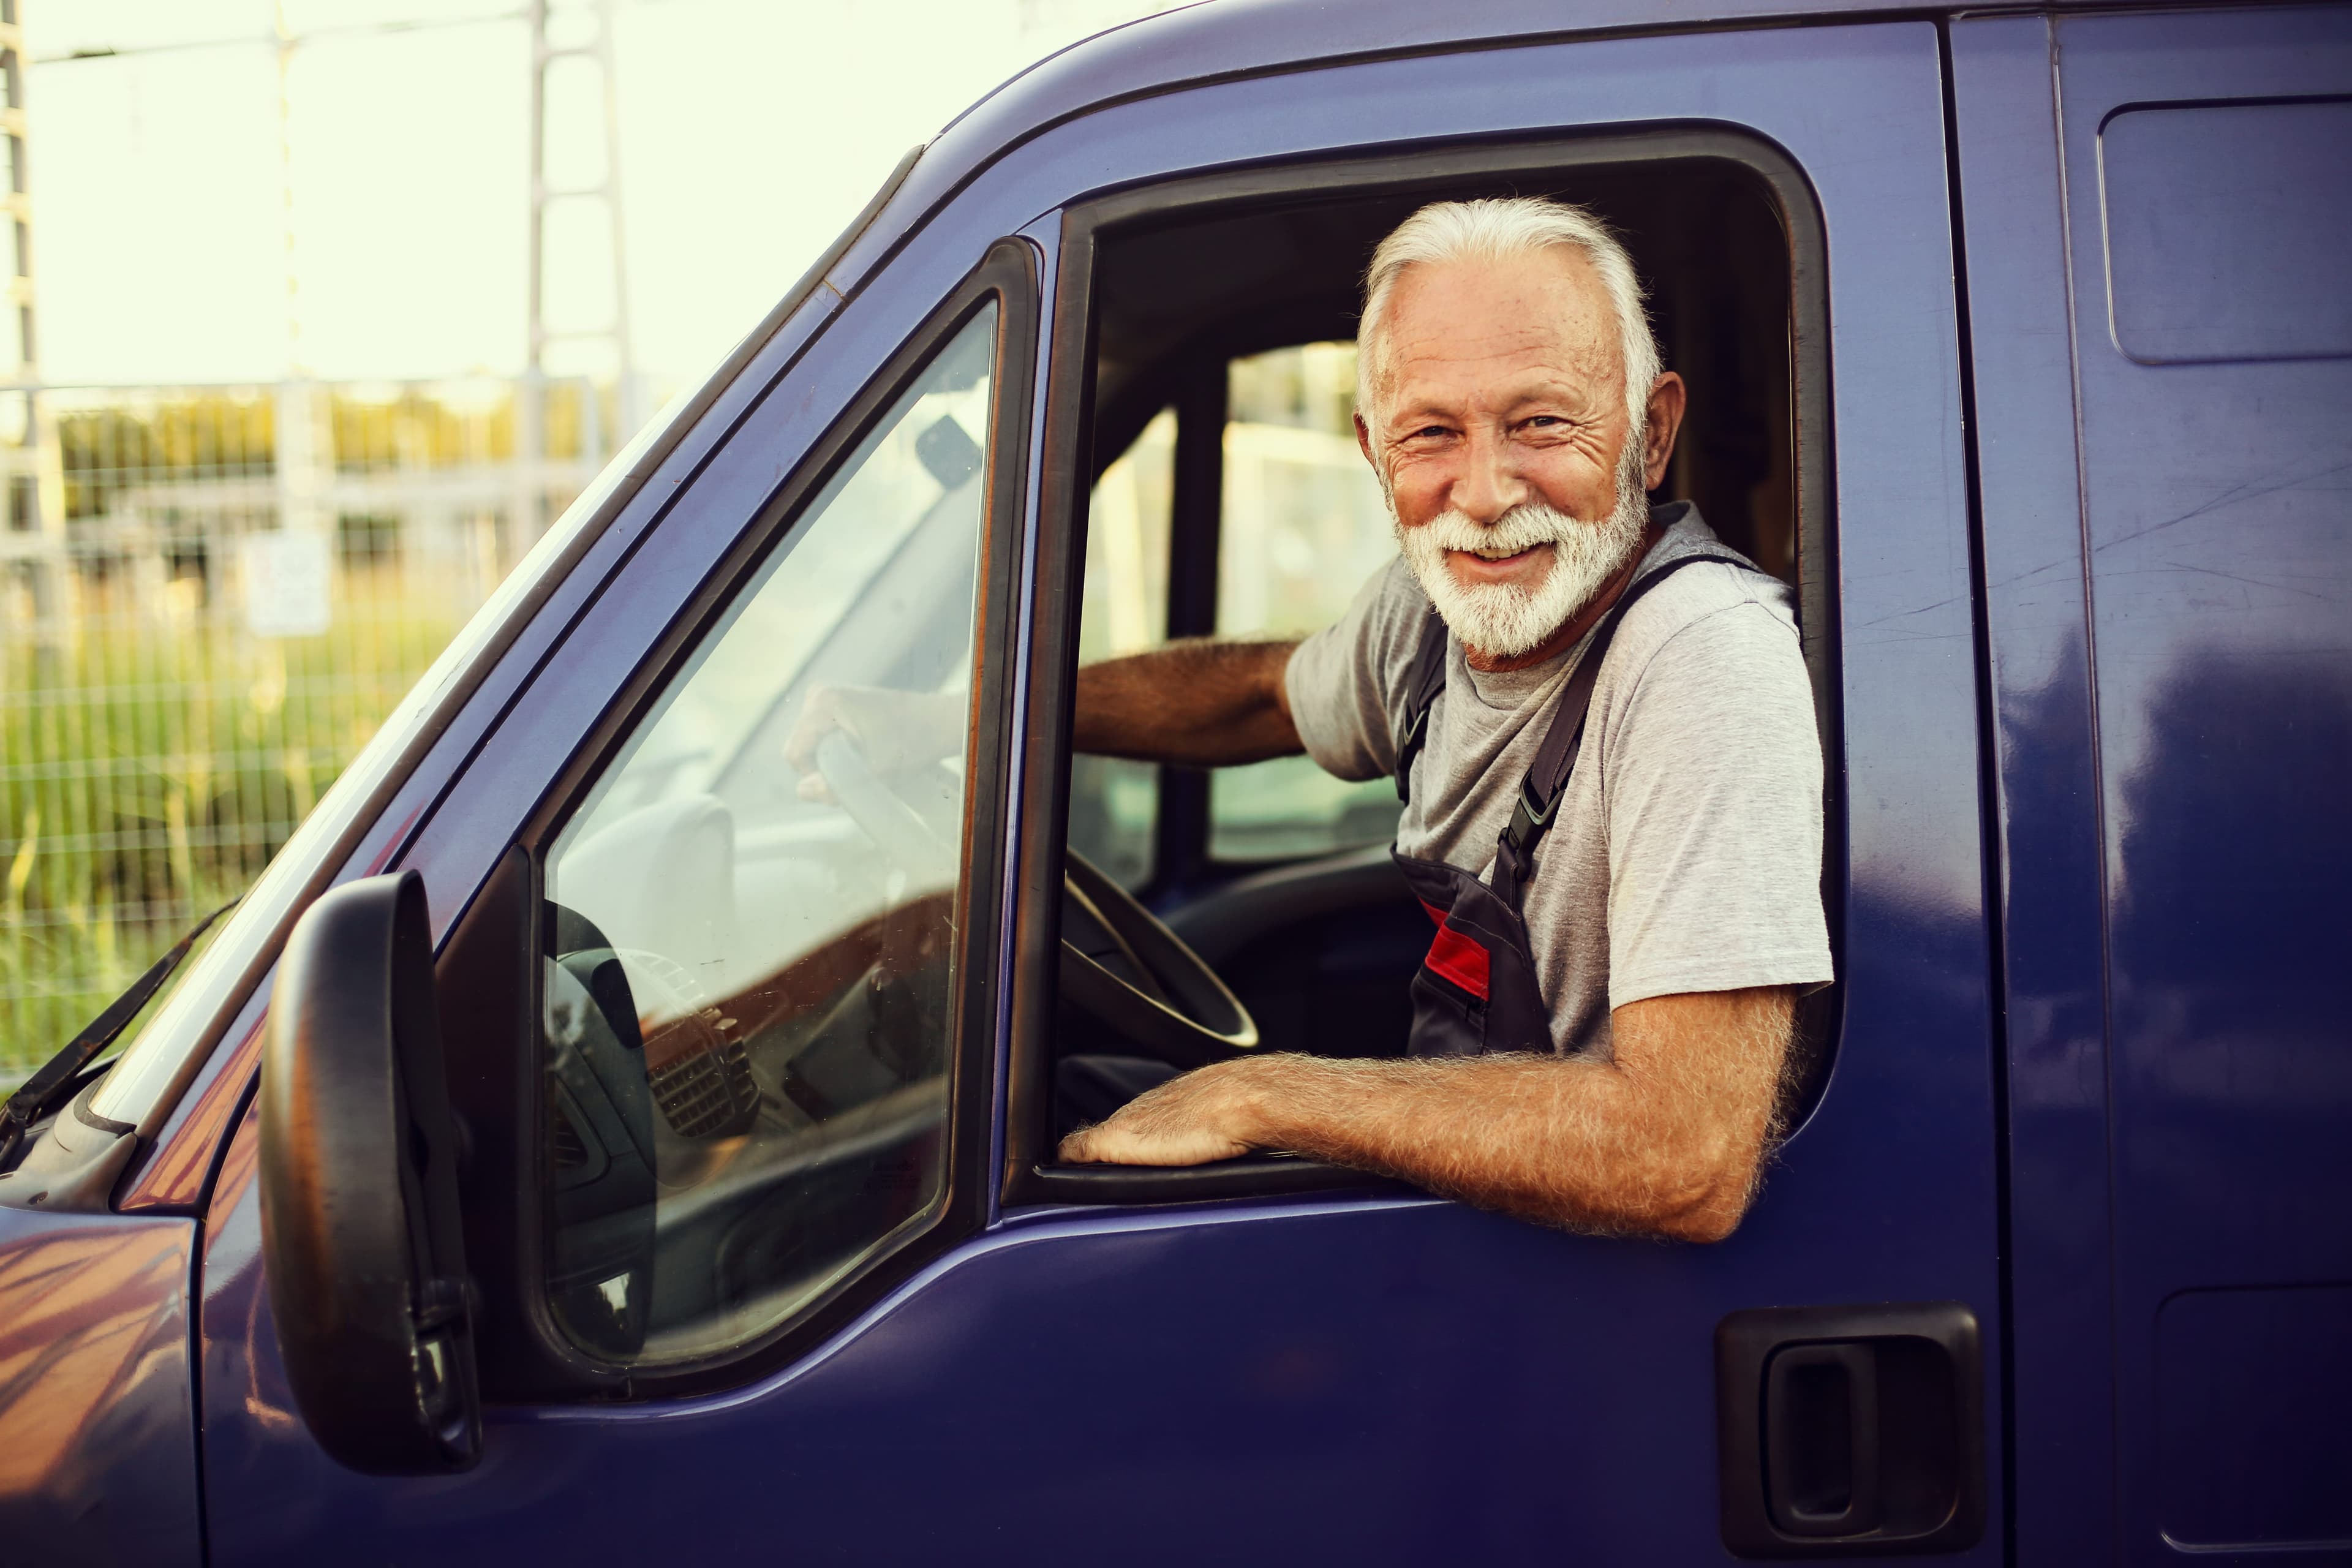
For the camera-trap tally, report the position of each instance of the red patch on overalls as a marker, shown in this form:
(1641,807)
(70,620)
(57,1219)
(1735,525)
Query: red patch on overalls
(1455,956)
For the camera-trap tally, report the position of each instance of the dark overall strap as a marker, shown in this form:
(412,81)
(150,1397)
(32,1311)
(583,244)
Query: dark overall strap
(1426,680)
(1547,780)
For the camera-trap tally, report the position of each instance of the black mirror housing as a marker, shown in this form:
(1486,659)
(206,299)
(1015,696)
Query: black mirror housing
(360,1221)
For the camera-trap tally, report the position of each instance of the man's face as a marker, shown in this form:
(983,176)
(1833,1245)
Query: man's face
(1502,431)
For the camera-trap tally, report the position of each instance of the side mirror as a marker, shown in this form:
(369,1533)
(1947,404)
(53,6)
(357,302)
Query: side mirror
(360,1223)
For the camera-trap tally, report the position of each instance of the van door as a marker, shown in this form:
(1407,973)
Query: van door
(1547,1393)
(1371,1376)
(2166,540)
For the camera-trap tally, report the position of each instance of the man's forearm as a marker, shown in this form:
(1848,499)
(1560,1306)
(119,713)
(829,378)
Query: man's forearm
(1532,1136)
(1665,1139)
(1200,702)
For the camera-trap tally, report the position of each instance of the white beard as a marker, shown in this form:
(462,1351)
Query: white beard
(1503,620)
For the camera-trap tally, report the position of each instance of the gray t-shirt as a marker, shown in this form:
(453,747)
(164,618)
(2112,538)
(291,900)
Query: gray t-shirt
(1687,853)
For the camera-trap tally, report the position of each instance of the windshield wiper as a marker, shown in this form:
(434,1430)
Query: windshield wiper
(43,1092)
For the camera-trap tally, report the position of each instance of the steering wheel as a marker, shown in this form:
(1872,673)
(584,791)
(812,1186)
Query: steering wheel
(897,829)
(1119,964)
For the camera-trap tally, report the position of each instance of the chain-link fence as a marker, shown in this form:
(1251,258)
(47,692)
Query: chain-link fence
(246,581)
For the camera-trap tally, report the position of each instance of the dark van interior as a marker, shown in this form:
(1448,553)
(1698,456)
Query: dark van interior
(1320,950)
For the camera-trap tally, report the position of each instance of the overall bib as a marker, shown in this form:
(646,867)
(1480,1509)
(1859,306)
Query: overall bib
(1477,990)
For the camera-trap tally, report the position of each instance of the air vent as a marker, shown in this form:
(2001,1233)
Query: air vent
(701,1077)
(565,1145)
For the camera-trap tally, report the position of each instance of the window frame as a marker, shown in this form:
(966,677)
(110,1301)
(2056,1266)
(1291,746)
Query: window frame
(1181,832)
(551,1364)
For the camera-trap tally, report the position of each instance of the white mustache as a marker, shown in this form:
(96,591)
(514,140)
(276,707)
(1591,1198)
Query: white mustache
(1528,526)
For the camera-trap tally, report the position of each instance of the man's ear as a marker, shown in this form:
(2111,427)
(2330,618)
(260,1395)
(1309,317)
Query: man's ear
(1667,398)
(1364,442)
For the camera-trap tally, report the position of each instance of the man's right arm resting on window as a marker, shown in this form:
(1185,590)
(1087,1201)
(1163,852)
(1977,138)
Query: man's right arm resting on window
(1666,1138)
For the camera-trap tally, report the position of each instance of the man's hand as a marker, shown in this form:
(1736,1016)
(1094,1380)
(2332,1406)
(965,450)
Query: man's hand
(1191,1120)
(1667,1138)
(896,729)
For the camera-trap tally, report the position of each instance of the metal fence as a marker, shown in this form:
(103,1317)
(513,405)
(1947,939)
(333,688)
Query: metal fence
(234,587)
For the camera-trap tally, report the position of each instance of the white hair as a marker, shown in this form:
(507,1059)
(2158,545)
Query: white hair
(1492,230)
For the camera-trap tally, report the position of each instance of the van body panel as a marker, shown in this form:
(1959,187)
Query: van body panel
(97,1442)
(2045,779)
(2219,549)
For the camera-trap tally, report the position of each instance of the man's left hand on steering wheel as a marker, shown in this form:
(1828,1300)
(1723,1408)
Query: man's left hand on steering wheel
(897,731)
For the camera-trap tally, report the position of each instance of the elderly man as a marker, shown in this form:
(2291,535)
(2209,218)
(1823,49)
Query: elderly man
(1599,720)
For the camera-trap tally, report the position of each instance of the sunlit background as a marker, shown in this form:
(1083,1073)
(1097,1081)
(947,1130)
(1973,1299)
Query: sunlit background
(277,409)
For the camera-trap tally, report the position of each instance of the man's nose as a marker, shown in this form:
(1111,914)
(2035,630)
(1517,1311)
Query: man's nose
(1489,484)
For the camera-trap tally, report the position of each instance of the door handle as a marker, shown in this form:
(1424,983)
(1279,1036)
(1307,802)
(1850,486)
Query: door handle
(1850,1431)
(1820,1438)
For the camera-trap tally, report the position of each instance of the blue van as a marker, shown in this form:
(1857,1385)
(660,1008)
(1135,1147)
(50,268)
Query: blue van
(585,1142)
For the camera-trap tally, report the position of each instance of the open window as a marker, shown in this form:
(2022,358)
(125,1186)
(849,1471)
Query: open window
(1205,333)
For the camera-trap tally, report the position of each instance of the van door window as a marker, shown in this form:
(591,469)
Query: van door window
(1246,377)
(746,987)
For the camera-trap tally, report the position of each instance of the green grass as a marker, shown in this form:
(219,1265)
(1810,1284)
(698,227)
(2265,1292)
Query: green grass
(152,759)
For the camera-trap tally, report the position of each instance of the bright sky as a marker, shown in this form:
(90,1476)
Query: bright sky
(751,131)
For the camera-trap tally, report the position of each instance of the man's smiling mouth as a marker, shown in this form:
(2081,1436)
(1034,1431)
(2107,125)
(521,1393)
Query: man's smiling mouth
(1487,562)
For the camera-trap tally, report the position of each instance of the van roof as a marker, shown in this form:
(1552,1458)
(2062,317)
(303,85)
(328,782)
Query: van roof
(1215,40)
